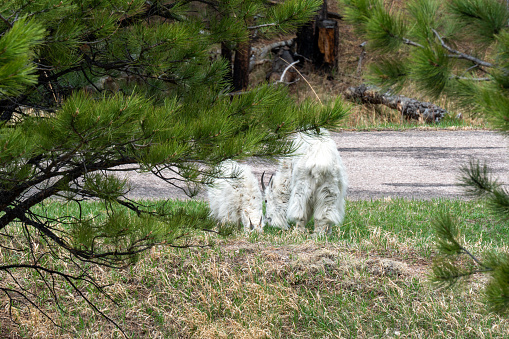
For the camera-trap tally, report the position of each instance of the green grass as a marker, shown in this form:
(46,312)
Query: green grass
(382,125)
(368,280)
(404,221)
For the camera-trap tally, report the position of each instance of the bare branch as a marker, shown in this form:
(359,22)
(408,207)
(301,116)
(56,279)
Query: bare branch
(5,20)
(411,43)
(261,26)
(477,261)
(8,291)
(94,307)
(462,55)
(471,79)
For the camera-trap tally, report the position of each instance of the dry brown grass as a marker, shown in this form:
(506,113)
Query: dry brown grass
(369,279)
(266,286)
(239,289)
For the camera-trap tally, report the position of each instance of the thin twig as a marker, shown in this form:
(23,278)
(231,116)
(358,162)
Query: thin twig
(263,25)
(5,20)
(94,307)
(472,79)
(411,43)
(11,300)
(477,261)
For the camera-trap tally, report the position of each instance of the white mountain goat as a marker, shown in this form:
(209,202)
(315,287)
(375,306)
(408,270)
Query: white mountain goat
(311,183)
(235,197)
(277,194)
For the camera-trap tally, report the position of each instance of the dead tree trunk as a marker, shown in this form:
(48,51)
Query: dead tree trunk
(306,41)
(318,40)
(409,108)
(227,54)
(241,67)
(327,42)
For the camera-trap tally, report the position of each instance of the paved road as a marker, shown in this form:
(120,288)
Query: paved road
(409,164)
(417,164)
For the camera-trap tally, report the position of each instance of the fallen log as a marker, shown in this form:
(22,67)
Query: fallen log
(407,107)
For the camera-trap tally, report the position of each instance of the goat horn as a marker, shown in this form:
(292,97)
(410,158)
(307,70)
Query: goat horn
(251,226)
(263,185)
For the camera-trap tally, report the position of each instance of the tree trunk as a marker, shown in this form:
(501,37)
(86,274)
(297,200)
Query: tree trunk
(241,67)
(328,33)
(409,108)
(227,54)
(318,40)
(306,41)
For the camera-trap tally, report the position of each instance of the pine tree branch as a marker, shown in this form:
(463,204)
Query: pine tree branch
(52,77)
(411,43)
(461,55)
(112,259)
(5,20)
(150,9)
(476,180)
(477,261)
(461,275)
(68,176)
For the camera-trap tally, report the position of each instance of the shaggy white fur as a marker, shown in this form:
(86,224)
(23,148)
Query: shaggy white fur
(235,197)
(311,183)
(277,195)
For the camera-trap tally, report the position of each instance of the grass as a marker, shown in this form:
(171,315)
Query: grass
(368,280)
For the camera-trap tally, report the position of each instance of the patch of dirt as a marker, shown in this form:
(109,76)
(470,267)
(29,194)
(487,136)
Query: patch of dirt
(311,257)
(389,267)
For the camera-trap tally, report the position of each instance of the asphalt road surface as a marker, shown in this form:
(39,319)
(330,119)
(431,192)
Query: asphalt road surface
(409,164)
